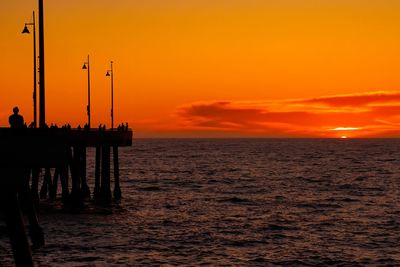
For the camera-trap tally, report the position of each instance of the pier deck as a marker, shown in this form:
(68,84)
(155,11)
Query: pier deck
(48,147)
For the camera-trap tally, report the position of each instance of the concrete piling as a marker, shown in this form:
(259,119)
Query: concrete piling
(97,167)
(105,174)
(117,188)
(85,191)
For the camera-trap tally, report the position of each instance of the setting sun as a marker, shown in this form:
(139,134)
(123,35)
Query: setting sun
(346,129)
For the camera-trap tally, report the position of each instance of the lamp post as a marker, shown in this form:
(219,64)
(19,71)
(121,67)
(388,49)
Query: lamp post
(86,65)
(42,104)
(110,73)
(26,30)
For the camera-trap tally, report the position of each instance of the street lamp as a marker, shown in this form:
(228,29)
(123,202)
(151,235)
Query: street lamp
(26,30)
(86,65)
(110,73)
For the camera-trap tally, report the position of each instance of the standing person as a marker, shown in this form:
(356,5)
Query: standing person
(16,120)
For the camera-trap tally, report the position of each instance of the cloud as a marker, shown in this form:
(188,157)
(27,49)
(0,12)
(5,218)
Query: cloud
(372,114)
(371,98)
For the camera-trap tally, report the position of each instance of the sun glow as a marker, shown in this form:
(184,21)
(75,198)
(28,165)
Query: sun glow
(343,137)
(346,129)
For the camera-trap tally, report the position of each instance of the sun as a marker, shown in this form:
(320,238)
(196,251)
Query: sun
(342,131)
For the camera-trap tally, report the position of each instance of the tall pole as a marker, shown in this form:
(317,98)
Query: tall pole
(42,109)
(88,105)
(110,72)
(112,96)
(34,73)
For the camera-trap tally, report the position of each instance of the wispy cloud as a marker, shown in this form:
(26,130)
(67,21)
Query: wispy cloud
(360,115)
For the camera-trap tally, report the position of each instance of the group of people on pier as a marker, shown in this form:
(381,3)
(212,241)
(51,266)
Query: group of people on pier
(123,127)
(16,121)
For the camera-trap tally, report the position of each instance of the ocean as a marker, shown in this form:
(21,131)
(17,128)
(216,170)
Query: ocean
(236,202)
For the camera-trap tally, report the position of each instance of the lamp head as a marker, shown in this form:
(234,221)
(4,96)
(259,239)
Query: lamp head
(108,73)
(84,67)
(25,30)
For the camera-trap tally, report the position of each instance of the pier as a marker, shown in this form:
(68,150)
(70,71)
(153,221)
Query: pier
(27,151)
(65,150)
(60,154)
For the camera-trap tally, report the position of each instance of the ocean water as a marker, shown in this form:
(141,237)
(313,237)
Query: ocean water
(241,202)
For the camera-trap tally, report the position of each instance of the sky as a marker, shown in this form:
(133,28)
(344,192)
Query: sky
(212,68)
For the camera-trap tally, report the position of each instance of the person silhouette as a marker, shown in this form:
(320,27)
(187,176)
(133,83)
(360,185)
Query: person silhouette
(16,120)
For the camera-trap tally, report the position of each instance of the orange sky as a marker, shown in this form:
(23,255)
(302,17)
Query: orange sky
(213,68)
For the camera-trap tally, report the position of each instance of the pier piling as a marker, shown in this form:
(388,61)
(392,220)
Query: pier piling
(76,196)
(97,168)
(53,191)
(35,186)
(105,174)
(117,189)
(16,230)
(85,191)
(64,182)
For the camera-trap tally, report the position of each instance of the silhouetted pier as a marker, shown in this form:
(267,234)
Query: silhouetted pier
(65,150)
(61,153)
